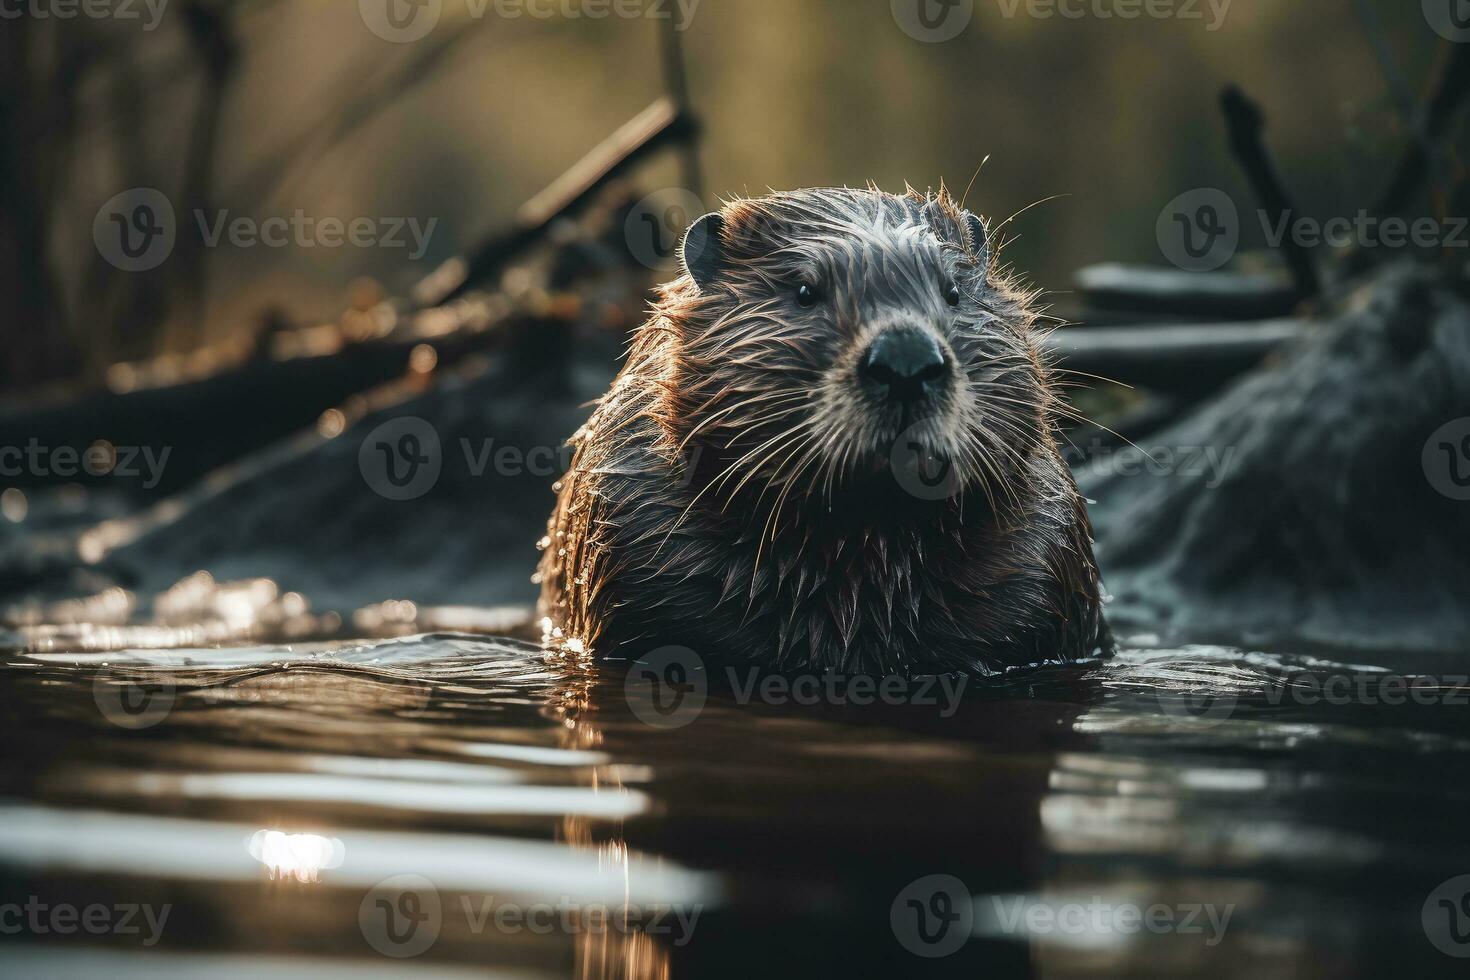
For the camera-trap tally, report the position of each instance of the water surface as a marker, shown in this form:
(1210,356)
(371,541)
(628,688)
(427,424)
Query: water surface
(447,805)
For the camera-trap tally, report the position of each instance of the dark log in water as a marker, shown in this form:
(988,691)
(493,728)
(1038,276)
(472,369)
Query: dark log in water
(1172,292)
(1326,499)
(1189,360)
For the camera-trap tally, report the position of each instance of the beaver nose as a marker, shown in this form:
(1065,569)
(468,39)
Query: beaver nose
(908,362)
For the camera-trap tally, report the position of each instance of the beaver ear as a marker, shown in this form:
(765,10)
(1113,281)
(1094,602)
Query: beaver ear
(979,238)
(703,250)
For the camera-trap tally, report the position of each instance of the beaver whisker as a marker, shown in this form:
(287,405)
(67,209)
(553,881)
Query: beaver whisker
(776,511)
(755,468)
(795,404)
(697,497)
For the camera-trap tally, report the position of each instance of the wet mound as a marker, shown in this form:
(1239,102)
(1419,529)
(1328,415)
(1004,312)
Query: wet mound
(1341,511)
(434,496)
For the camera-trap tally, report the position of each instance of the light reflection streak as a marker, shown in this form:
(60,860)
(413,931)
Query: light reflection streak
(97,842)
(499,798)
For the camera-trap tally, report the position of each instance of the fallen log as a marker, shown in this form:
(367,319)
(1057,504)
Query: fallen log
(1208,295)
(1183,359)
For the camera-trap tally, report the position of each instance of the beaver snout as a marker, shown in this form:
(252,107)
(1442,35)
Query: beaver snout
(906,364)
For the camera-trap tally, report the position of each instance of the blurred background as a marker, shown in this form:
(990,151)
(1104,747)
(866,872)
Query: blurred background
(261,108)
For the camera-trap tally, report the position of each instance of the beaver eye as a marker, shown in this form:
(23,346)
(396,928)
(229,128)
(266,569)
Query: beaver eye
(952,295)
(808,296)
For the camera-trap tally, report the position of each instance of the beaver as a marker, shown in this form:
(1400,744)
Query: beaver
(832,448)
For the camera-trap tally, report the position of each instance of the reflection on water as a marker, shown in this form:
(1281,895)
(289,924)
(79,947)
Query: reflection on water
(442,804)
(302,857)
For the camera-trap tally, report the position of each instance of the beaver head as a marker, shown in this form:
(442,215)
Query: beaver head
(830,344)
(831,447)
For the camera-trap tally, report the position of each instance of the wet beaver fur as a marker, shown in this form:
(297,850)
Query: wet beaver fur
(832,448)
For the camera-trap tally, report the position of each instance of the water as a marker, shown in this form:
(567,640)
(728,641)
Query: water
(447,805)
